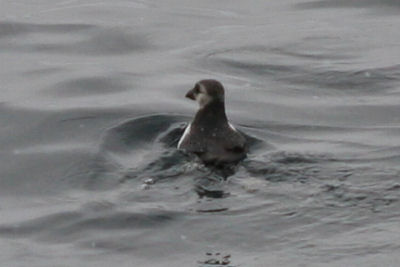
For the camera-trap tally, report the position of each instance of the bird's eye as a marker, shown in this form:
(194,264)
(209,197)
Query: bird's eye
(197,89)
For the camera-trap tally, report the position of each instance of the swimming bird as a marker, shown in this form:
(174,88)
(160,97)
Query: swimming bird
(210,135)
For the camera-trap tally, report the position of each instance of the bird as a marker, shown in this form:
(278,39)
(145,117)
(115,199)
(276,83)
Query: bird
(210,135)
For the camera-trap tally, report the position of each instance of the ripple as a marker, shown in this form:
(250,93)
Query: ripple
(349,4)
(282,166)
(139,149)
(140,131)
(350,196)
(309,66)
(83,39)
(365,81)
(89,86)
(102,42)
(250,60)
(67,226)
(19,28)
(144,149)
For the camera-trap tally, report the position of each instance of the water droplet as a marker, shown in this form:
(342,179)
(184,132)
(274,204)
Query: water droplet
(149,181)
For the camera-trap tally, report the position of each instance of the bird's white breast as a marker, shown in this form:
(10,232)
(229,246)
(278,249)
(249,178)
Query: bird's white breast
(232,127)
(184,135)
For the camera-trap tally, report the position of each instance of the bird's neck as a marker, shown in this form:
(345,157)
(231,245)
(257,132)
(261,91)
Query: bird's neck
(211,115)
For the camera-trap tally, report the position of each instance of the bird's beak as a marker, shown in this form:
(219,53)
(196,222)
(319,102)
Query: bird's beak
(191,94)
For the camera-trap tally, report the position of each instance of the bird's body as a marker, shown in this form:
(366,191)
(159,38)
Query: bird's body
(210,135)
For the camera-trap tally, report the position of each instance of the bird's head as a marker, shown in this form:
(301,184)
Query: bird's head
(206,91)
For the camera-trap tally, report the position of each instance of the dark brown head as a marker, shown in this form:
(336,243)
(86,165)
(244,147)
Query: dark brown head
(207,91)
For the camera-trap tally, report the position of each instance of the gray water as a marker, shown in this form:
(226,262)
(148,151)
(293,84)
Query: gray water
(92,104)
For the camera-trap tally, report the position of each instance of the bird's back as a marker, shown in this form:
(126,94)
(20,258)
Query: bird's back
(220,144)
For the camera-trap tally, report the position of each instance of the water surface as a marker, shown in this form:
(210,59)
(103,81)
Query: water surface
(93,104)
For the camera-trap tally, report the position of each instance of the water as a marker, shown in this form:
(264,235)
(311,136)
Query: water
(92,104)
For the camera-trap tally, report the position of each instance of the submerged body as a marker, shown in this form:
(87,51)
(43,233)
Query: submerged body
(210,135)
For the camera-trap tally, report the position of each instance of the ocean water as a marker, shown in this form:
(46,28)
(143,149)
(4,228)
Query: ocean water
(92,105)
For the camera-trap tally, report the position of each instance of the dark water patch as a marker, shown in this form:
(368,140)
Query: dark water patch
(95,174)
(85,86)
(18,28)
(212,210)
(168,166)
(395,187)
